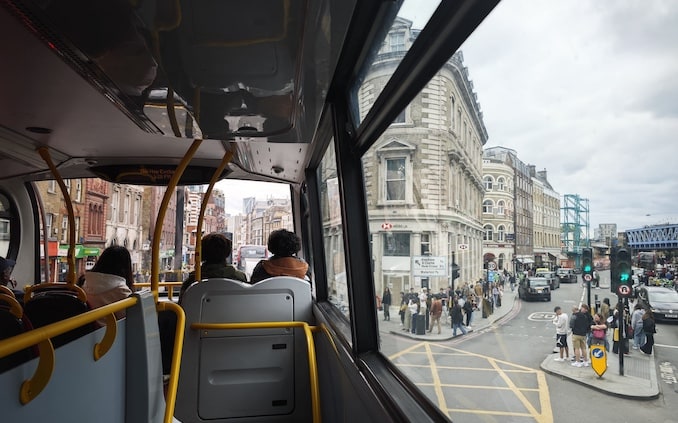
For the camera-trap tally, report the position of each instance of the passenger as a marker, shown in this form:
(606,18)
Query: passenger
(110,279)
(215,251)
(284,245)
(6,267)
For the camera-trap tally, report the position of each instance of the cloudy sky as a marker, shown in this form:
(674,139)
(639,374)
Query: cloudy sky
(587,90)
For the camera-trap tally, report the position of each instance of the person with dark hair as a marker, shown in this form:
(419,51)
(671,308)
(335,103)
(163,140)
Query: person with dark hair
(215,251)
(284,245)
(6,268)
(110,279)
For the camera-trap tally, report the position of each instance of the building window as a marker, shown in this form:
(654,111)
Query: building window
(64,229)
(425,244)
(501,231)
(126,208)
(51,186)
(488,234)
(397,41)
(452,103)
(487,207)
(487,183)
(395,179)
(401,118)
(501,207)
(49,221)
(397,244)
(78,190)
(501,184)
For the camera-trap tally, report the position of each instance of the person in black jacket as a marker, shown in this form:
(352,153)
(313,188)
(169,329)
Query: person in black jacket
(284,245)
(649,329)
(581,325)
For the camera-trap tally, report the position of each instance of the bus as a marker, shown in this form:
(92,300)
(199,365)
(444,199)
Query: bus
(366,113)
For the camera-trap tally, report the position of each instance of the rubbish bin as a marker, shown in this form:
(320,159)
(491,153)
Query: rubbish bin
(421,324)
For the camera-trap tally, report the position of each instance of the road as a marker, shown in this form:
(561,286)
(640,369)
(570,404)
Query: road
(494,375)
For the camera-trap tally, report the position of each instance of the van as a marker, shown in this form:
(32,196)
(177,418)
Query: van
(248,256)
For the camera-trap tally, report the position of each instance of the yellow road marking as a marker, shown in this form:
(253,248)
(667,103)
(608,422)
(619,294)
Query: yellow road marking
(433,350)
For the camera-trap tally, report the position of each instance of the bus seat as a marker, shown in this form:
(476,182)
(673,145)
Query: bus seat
(245,374)
(167,325)
(44,308)
(12,323)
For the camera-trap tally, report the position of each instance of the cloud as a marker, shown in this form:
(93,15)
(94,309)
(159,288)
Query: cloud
(586,90)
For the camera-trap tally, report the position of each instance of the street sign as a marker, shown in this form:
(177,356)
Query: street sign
(462,247)
(598,359)
(386,226)
(588,278)
(624,290)
(429,266)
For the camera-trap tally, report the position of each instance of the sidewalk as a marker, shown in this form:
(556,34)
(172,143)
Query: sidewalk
(639,380)
(477,322)
(640,375)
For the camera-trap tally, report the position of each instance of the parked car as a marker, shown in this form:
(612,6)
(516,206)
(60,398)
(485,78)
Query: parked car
(566,275)
(554,281)
(661,300)
(534,288)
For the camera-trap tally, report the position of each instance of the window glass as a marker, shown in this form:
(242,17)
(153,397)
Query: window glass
(395,179)
(404,30)
(333,227)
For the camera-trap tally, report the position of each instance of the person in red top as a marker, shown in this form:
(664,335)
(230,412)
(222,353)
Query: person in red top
(284,245)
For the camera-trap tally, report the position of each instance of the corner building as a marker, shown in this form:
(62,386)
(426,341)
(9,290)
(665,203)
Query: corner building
(423,178)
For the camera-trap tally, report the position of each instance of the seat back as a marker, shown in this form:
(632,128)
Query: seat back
(245,374)
(12,323)
(47,307)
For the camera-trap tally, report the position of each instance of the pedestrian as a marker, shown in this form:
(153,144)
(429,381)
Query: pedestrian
(637,325)
(561,322)
(468,308)
(620,336)
(413,306)
(599,331)
(457,319)
(605,309)
(650,329)
(580,328)
(403,308)
(386,303)
(436,312)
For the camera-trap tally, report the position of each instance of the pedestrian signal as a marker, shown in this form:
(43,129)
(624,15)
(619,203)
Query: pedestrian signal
(623,272)
(587,262)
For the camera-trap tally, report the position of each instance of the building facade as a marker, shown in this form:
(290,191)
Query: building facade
(546,220)
(498,213)
(423,178)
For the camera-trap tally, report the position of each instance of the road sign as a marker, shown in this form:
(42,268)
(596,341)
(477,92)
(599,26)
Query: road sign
(598,359)
(491,265)
(624,290)
(462,247)
(386,226)
(429,266)
(588,278)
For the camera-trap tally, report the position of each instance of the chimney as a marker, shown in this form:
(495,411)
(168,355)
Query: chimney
(532,170)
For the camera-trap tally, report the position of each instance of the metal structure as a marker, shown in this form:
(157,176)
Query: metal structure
(659,237)
(575,226)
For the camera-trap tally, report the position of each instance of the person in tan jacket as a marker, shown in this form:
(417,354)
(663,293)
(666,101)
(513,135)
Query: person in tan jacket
(284,245)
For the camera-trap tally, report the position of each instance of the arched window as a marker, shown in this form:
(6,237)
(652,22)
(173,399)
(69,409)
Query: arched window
(487,183)
(489,234)
(501,207)
(501,230)
(501,183)
(487,206)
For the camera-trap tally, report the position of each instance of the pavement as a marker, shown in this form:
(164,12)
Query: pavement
(639,380)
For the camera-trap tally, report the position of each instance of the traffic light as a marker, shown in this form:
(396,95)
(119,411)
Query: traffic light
(623,272)
(587,264)
(455,271)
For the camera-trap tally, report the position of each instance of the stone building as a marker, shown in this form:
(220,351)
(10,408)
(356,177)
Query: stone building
(423,178)
(498,212)
(546,220)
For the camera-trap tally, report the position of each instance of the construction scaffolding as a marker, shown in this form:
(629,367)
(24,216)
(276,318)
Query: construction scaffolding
(575,226)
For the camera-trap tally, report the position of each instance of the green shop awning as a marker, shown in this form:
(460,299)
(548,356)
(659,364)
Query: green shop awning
(80,251)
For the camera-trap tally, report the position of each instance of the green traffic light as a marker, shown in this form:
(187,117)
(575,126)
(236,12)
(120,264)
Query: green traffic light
(587,268)
(624,277)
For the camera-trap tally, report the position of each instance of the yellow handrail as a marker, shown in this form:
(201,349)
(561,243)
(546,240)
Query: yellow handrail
(312,365)
(203,207)
(171,398)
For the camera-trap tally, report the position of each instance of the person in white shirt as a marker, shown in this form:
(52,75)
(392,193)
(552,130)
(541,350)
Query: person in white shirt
(561,322)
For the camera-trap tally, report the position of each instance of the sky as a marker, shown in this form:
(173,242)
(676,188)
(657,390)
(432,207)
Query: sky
(587,90)
(236,191)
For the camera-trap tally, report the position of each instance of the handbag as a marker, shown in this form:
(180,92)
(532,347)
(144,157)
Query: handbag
(629,331)
(599,333)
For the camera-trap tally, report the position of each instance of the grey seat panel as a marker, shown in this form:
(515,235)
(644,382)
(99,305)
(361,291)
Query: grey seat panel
(245,374)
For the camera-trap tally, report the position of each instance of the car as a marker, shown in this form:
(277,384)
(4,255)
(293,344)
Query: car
(554,281)
(534,288)
(566,275)
(661,300)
